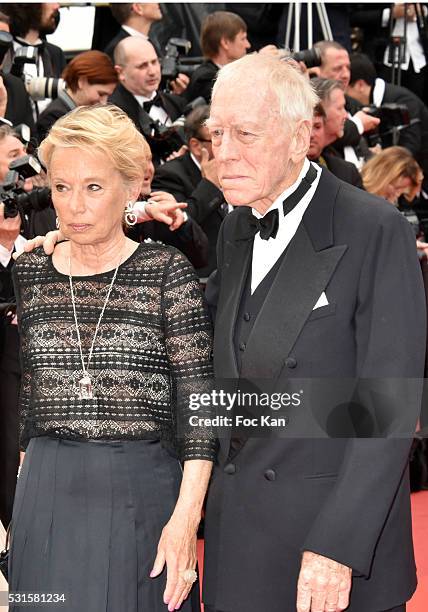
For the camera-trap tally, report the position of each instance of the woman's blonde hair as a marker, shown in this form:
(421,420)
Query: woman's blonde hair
(106,129)
(389,165)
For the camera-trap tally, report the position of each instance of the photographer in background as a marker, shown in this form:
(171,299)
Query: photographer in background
(90,79)
(37,222)
(15,104)
(369,90)
(223,40)
(135,19)
(29,24)
(138,95)
(192,178)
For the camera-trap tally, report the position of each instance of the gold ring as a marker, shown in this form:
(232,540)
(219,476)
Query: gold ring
(189,576)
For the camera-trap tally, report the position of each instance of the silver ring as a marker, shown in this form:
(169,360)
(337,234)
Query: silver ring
(189,576)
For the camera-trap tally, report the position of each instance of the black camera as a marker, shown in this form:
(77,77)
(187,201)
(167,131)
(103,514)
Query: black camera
(393,118)
(38,88)
(173,61)
(164,140)
(15,199)
(310,57)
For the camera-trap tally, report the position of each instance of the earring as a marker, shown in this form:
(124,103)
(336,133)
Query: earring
(129,214)
(57,223)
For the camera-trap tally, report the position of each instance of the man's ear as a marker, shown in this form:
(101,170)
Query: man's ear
(301,140)
(224,43)
(119,70)
(194,146)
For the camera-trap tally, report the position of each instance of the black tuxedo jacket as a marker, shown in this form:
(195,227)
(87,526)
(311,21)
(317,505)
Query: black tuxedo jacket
(342,169)
(56,109)
(121,34)
(125,100)
(201,81)
(183,179)
(344,498)
(18,109)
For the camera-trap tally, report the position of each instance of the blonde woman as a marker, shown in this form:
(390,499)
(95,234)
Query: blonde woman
(391,173)
(114,336)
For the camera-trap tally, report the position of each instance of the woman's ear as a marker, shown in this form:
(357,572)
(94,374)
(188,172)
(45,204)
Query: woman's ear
(134,190)
(82,82)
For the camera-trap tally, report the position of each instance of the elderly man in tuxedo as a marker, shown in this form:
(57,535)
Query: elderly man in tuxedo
(316,280)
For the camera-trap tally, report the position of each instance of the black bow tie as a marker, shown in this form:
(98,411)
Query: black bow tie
(268,225)
(157,101)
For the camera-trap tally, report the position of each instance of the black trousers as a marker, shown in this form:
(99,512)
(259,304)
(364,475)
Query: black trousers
(397,609)
(9,421)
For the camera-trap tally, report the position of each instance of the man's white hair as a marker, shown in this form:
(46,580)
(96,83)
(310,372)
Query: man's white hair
(296,96)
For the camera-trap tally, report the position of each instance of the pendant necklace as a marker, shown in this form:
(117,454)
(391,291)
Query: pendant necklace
(85,383)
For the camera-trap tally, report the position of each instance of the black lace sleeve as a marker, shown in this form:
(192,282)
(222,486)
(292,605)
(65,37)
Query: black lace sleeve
(188,337)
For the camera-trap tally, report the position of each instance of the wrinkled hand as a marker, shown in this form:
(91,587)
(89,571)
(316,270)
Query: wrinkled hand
(3,98)
(323,584)
(209,168)
(369,122)
(181,151)
(180,84)
(163,207)
(176,548)
(48,243)
(9,229)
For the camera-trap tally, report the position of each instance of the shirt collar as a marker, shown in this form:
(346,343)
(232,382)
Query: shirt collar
(195,161)
(378,92)
(133,32)
(280,199)
(142,99)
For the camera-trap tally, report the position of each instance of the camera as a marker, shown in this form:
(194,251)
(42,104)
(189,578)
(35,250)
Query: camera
(38,88)
(164,140)
(393,118)
(172,63)
(310,57)
(15,199)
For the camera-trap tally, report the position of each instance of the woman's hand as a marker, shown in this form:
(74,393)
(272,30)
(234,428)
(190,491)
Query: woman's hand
(176,548)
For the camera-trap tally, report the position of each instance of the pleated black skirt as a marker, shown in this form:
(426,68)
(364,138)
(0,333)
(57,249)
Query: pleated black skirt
(86,523)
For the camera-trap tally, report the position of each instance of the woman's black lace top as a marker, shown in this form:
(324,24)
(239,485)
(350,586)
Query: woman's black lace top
(153,349)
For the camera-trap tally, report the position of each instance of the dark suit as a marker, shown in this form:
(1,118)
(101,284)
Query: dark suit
(201,81)
(125,100)
(346,499)
(18,109)
(121,34)
(342,169)
(56,109)
(183,179)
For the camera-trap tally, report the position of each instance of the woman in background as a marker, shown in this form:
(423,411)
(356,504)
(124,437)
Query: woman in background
(90,78)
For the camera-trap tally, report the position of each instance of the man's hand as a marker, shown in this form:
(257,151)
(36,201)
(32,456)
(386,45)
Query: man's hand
(209,168)
(180,84)
(369,122)
(399,11)
(48,243)
(3,98)
(9,229)
(181,151)
(163,207)
(323,584)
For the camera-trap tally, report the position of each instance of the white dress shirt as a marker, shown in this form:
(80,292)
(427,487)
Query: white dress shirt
(6,255)
(414,48)
(157,113)
(267,252)
(133,32)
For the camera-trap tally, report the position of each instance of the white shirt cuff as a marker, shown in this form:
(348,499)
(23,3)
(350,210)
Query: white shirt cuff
(5,255)
(140,210)
(358,123)
(386,13)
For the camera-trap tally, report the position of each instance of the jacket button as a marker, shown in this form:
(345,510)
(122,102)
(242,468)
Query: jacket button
(247,316)
(270,475)
(291,362)
(242,346)
(230,468)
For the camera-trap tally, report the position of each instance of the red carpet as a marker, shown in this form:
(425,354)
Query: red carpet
(419,602)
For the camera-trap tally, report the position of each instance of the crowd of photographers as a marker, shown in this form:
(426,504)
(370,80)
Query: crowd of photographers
(367,130)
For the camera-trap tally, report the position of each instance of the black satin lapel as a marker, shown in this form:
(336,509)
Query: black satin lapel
(302,277)
(233,275)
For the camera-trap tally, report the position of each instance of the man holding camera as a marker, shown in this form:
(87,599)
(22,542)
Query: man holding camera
(138,94)
(11,239)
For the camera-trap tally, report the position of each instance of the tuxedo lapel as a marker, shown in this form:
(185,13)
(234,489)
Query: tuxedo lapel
(303,275)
